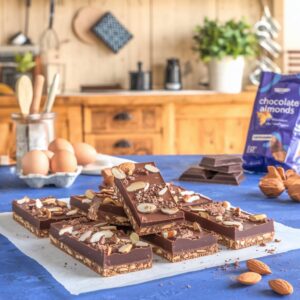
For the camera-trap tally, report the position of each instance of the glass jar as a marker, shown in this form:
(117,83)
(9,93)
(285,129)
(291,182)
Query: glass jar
(33,132)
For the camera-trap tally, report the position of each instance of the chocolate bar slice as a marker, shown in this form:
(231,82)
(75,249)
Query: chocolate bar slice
(235,228)
(221,160)
(36,215)
(147,200)
(198,174)
(101,247)
(238,168)
(103,204)
(183,242)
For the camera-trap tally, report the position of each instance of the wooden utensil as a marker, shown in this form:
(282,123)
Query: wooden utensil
(24,94)
(37,94)
(52,94)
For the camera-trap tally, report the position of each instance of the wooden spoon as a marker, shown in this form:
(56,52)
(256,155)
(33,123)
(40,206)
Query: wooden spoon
(24,94)
(52,94)
(37,94)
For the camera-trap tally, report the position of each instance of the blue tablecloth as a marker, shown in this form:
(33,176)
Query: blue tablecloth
(23,278)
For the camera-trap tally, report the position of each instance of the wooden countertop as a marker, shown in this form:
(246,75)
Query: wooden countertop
(152,97)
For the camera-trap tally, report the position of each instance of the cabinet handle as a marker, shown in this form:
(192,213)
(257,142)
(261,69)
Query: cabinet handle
(122,116)
(122,144)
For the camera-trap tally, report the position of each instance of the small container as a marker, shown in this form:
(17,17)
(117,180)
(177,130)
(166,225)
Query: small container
(33,132)
(173,75)
(140,80)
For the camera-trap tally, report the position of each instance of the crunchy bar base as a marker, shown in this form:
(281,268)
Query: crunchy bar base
(106,272)
(149,229)
(41,233)
(246,242)
(185,255)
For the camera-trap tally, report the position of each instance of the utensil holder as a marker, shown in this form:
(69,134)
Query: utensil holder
(33,132)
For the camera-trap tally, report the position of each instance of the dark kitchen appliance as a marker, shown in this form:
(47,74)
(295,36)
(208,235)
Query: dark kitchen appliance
(140,80)
(173,75)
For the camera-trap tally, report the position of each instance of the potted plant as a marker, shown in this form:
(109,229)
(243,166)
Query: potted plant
(24,64)
(224,47)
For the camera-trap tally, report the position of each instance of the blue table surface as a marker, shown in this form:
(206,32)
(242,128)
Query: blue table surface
(23,278)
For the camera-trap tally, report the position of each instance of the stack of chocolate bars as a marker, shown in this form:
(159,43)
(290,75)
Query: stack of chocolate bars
(115,230)
(224,169)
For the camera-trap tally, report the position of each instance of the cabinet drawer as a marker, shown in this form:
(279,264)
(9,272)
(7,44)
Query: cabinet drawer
(122,119)
(126,144)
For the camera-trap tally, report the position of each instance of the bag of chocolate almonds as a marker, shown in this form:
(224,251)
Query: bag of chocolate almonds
(274,131)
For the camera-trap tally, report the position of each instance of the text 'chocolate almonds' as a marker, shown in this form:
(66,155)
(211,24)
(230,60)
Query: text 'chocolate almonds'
(249,278)
(169,211)
(146,208)
(117,173)
(258,266)
(281,287)
(135,186)
(151,168)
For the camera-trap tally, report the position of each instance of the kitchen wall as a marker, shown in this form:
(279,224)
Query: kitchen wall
(161,29)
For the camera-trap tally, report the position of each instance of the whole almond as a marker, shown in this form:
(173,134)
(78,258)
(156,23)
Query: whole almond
(258,266)
(281,287)
(249,278)
(127,168)
(271,187)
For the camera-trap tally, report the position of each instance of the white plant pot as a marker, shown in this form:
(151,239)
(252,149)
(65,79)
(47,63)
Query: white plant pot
(226,75)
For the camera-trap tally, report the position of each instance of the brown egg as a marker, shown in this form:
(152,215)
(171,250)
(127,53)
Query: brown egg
(48,153)
(85,153)
(60,144)
(63,161)
(35,162)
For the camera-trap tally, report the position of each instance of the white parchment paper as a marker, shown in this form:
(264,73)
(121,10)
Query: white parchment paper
(77,278)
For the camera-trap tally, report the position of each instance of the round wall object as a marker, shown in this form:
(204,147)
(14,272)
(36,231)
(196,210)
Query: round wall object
(82,23)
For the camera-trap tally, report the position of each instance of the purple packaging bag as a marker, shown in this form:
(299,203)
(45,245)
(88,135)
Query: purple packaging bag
(274,131)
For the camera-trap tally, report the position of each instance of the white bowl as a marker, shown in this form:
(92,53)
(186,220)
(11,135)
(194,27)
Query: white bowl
(58,179)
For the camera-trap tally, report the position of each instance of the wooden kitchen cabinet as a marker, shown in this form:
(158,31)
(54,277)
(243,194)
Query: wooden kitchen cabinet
(147,123)
(212,128)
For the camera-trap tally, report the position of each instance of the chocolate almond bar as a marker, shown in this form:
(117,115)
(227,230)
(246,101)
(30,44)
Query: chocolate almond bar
(101,247)
(183,242)
(235,228)
(36,215)
(103,204)
(147,200)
